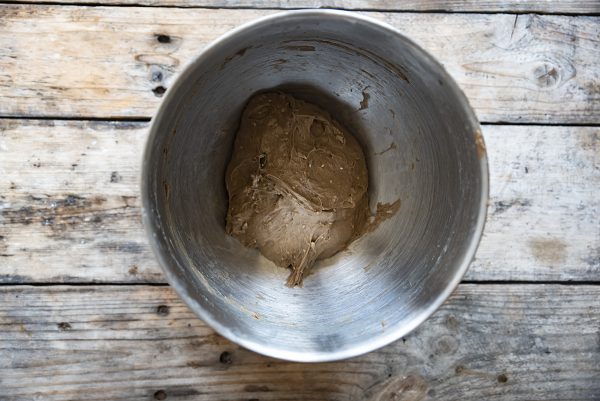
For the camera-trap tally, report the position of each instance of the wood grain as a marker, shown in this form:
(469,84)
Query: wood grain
(493,342)
(70,210)
(113,61)
(538,6)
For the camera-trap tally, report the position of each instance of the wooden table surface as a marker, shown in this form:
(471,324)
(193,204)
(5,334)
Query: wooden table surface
(85,313)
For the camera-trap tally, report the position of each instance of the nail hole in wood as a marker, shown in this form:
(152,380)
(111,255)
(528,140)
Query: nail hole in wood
(162,310)
(64,326)
(159,91)
(115,177)
(502,378)
(225,358)
(160,395)
(163,38)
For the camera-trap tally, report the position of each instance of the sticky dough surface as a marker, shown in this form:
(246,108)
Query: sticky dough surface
(297,183)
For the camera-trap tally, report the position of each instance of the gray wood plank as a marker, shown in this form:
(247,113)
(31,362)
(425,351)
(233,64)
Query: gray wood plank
(70,210)
(537,6)
(107,61)
(492,342)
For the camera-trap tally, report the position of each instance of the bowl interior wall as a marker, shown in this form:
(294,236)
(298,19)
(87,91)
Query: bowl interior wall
(419,143)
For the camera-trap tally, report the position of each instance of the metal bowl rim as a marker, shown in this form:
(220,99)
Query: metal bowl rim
(157,240)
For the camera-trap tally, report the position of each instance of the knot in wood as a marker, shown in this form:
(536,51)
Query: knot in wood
(546,75)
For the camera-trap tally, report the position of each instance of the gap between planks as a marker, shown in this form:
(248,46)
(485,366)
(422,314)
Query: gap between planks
(163,284)
(565,8)
(142,119)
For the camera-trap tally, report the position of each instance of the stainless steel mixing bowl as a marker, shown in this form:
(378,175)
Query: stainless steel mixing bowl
(423,146)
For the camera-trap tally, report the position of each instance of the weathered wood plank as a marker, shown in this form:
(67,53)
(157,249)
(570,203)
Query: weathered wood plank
(538,6)
(492,342)
(70,211)
(544,215)
(108,61)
